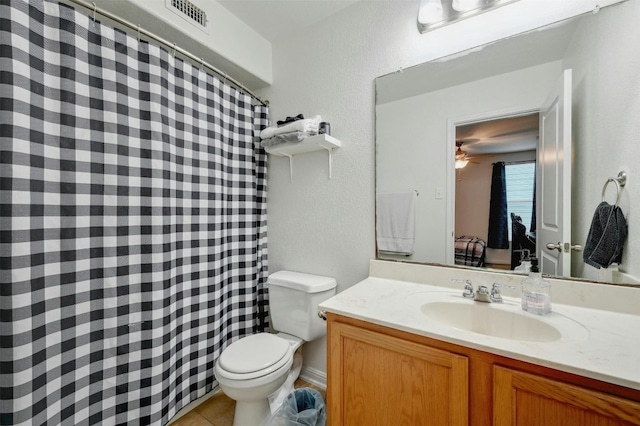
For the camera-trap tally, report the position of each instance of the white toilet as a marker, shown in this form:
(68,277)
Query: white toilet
(254,367)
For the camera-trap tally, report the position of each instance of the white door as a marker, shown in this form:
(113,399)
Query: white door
(553,186)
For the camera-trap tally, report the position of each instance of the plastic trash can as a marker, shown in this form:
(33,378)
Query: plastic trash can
(302,407)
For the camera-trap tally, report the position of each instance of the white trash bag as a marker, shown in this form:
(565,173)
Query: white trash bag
(302,407)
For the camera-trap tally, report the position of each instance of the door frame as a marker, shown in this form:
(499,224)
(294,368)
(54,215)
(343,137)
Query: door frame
(450,156)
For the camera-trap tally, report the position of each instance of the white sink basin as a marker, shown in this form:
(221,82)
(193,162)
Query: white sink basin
(491,320)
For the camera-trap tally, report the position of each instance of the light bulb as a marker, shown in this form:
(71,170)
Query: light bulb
(465,5)
(430,11)
(461,164)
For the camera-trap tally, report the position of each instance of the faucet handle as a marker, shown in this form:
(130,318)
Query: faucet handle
(495,292)
(468,288)
(497,286)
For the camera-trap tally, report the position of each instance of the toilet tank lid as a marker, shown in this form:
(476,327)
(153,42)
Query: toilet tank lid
(302,282)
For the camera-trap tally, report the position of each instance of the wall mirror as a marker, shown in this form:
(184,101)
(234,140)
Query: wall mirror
(552,107)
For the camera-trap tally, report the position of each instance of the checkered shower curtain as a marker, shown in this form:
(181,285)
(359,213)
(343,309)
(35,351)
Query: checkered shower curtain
(132,222)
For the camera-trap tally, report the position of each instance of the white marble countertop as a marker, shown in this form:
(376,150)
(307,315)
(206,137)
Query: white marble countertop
(595,343)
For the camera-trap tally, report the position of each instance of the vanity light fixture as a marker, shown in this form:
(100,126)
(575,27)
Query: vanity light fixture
(465,5)
(430,11)
(434,14)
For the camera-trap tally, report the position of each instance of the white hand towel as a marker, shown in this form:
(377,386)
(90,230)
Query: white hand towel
(396,220)
(306,125)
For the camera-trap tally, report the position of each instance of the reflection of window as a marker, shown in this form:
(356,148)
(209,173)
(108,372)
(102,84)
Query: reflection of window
(520,178)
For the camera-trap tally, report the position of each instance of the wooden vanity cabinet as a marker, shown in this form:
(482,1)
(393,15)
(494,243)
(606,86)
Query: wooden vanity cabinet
(523,399)
(378,379)
(380,376)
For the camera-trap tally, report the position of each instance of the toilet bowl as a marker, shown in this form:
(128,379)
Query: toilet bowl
(254,367)
(251,369)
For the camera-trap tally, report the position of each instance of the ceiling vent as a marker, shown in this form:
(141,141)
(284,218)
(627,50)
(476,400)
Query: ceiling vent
(188,11)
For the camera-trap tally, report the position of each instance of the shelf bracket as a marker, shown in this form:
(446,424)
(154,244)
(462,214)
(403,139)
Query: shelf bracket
(310,144)
(290,157)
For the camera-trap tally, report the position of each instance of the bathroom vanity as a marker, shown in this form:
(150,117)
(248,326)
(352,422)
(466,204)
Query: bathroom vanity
(395,356)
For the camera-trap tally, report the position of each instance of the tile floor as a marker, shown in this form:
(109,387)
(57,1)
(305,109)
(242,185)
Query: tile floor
(218,410)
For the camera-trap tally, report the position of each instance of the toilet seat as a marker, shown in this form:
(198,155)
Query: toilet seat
(254,356)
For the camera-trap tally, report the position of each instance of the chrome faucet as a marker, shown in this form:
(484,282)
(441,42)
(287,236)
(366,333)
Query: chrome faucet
(468,288)
(495,295)
(483,294)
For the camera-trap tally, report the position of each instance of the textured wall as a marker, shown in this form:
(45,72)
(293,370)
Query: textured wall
(323,226)
(606,99)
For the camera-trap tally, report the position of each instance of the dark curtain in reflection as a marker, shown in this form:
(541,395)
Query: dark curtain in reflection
(532,228)
(498,226)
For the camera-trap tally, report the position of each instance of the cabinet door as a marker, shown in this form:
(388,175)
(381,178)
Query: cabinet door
(376,379)
(522,399)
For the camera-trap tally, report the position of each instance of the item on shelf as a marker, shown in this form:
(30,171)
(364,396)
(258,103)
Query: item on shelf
(309,125)
(325,128)
(289,120)
(284,138)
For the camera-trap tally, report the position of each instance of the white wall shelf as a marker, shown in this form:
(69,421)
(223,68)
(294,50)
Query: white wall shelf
(310,144)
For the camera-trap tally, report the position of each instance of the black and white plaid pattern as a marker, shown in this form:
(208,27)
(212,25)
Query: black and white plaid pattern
(133,242)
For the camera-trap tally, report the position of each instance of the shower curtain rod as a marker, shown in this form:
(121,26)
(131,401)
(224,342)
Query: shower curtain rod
(94,9)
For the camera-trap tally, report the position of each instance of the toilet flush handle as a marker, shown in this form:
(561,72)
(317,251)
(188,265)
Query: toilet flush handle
(322,315)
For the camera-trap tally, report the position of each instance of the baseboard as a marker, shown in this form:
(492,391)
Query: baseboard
(313,376)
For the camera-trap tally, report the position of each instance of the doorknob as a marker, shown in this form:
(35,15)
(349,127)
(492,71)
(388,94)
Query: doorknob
(567,247)
(552,246)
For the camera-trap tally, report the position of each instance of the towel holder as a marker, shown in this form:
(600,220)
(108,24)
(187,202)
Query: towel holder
(620,181)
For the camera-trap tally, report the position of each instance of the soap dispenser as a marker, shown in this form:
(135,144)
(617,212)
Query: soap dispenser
(536,291)
(525,264)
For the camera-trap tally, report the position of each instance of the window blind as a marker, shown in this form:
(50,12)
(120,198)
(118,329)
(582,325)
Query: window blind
(520,185)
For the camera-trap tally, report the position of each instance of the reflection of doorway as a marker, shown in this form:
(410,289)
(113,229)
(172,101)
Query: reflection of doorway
(553,177)
(512,140)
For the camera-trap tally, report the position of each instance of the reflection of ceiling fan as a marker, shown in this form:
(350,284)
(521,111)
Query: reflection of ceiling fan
(461,156)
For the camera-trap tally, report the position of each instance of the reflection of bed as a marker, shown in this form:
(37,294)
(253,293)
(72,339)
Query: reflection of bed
(469,251)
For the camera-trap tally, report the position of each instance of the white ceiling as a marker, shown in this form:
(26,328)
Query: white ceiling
(505,135)
(277,19)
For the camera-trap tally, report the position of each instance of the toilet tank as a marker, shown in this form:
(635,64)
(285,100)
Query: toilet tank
(293,303)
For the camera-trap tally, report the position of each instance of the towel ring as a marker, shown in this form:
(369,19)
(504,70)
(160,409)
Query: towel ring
(620,182)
